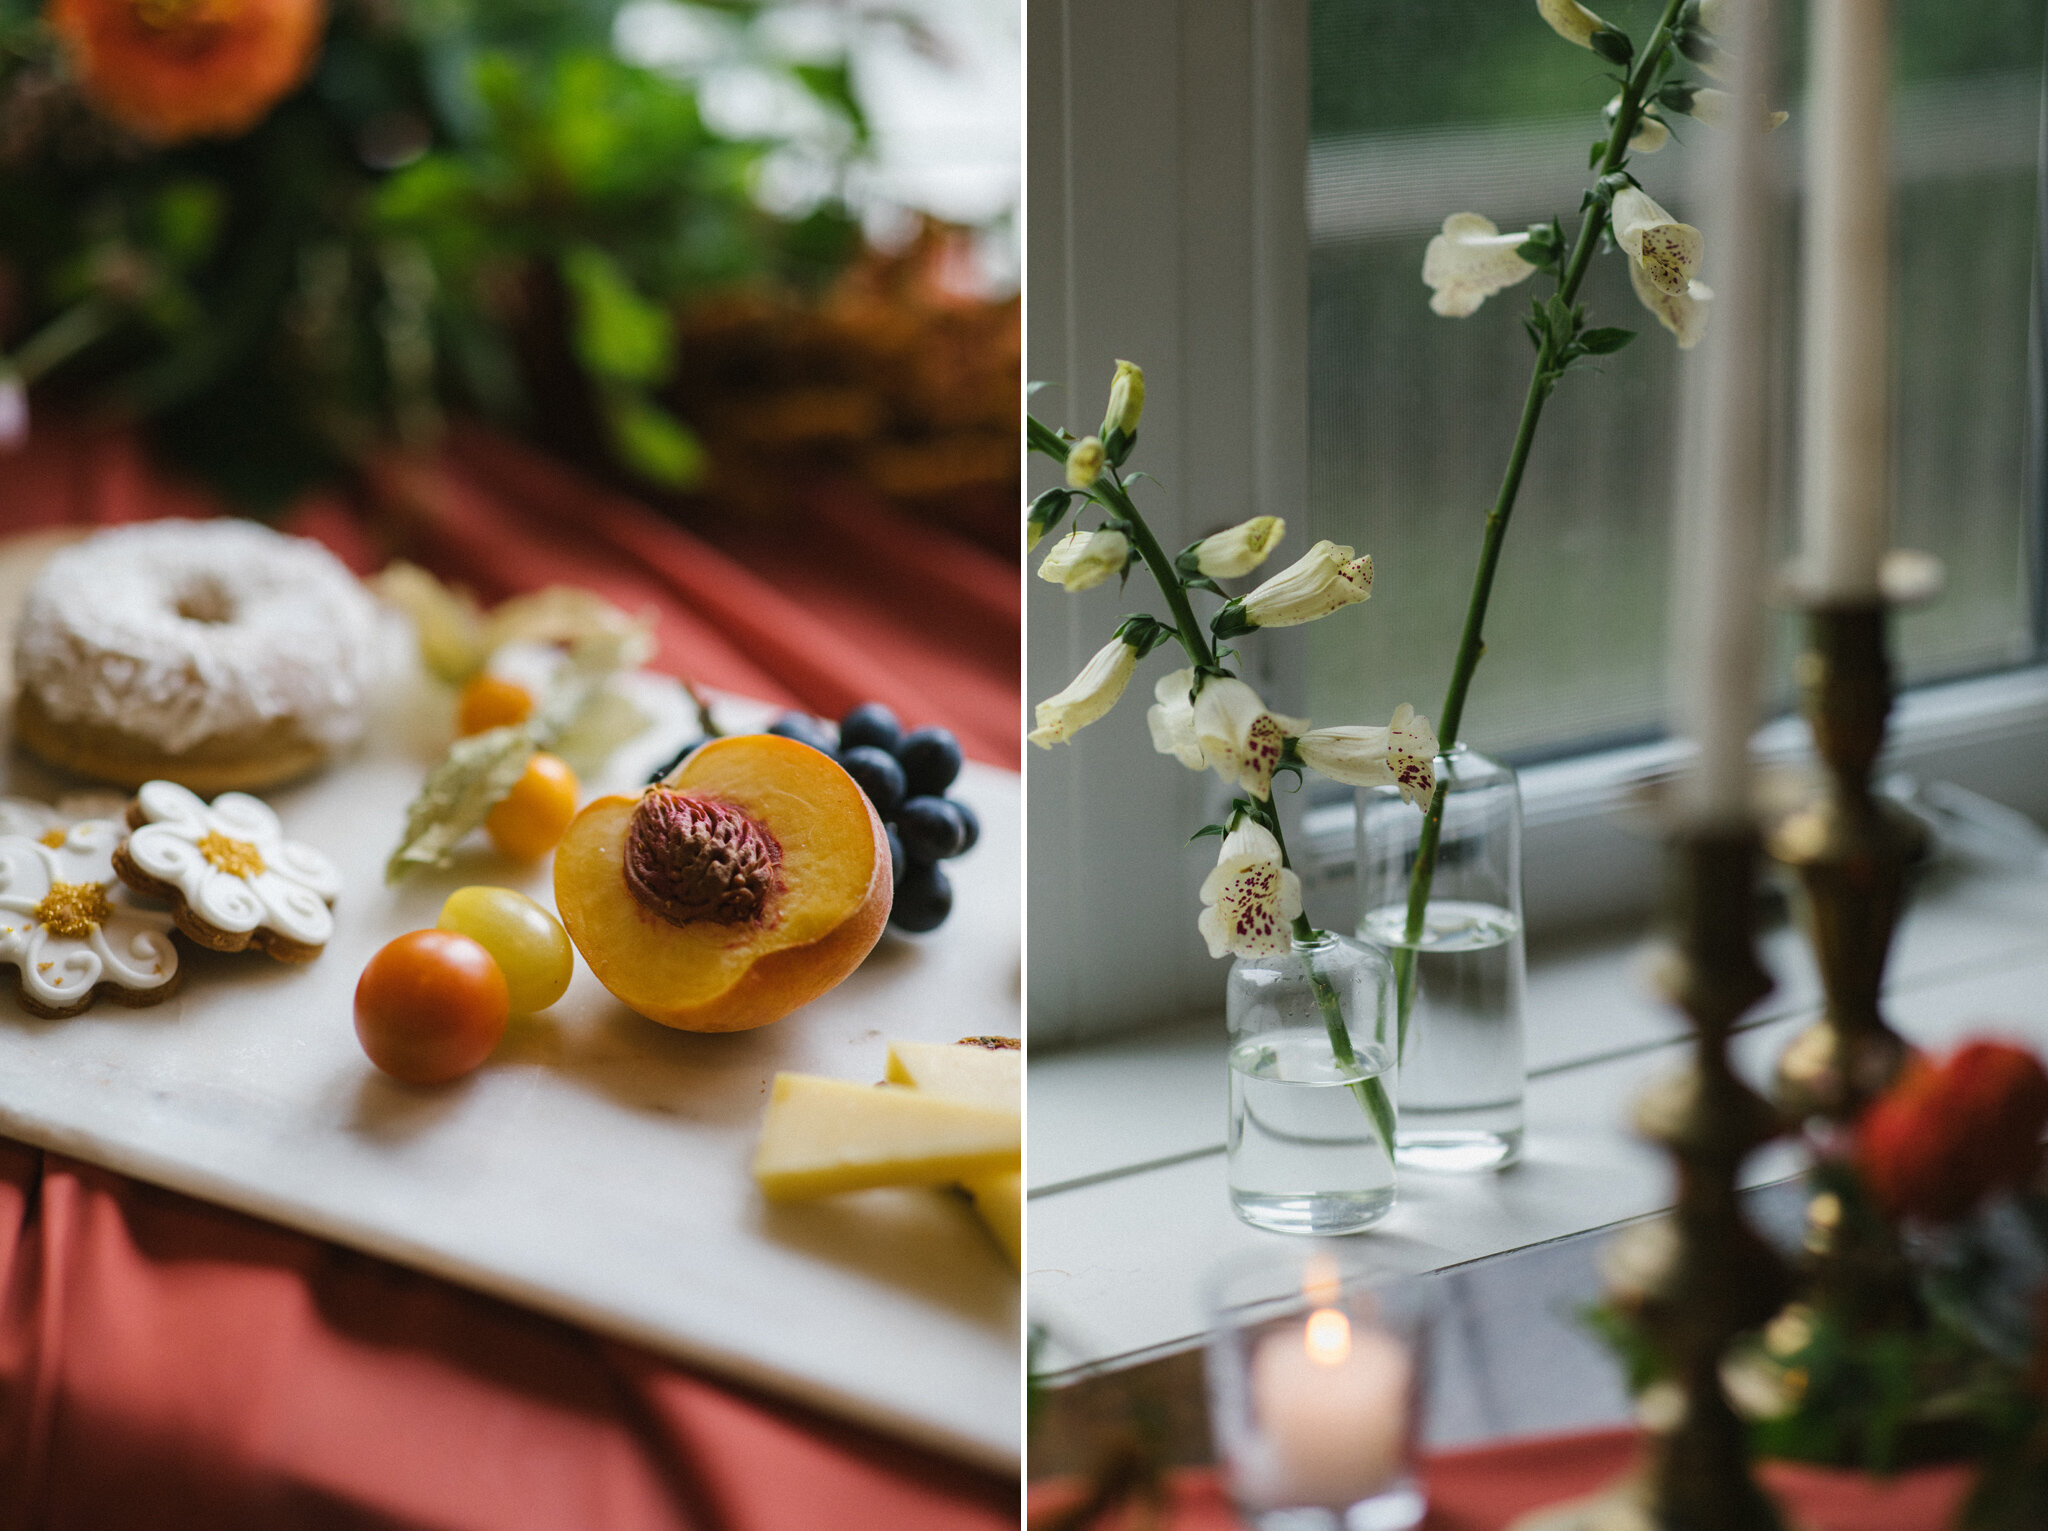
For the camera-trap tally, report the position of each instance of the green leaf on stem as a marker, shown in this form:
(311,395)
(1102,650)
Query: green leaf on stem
(1613,45)
(1207,830)
(1604,342)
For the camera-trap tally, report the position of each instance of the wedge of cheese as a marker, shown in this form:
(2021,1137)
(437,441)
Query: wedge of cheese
(960,1071)
(1000,1201)
(827,1135)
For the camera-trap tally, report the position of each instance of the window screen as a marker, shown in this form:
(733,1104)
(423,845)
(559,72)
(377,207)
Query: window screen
(1475,105)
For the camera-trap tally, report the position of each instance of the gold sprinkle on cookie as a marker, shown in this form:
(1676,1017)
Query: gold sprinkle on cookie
(237,858)
(55,838)
(74,909)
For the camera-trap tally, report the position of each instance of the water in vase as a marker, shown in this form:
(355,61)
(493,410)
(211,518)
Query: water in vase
(1461,1064)
(1304,1154)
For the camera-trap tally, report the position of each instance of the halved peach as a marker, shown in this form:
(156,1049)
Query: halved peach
(753,881)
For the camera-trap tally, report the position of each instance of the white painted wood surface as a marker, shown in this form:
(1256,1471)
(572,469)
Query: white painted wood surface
(596,1168)
(1129,1212)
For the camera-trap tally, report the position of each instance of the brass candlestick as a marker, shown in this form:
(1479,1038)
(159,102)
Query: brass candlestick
(1851,851)
(1706,1276)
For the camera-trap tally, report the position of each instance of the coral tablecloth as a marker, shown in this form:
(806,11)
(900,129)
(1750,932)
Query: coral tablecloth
(1486,1489)
(168,1364)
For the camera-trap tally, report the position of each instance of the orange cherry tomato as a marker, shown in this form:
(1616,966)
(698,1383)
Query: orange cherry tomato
(489,702)
(430,1006)
(529,819)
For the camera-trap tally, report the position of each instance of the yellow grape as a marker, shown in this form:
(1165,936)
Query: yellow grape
(529,944)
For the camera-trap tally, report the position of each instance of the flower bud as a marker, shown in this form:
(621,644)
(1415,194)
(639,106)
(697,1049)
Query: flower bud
(1571,21)
(1324,579)
(1236,552)
(1126,399)
(1083,560)
(1088,696)
(1084,462)
(1046,512)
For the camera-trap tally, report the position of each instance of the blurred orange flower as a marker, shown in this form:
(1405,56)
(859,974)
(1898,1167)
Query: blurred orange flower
(1947,1135)
(177,69)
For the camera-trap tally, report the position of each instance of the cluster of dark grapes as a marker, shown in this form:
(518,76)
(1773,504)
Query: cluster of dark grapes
(905,776)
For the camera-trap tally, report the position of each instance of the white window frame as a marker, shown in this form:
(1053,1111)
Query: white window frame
(1167,155)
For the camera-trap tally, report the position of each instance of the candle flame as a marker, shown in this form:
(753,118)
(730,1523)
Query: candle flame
(1320,1281)
(1328,1337)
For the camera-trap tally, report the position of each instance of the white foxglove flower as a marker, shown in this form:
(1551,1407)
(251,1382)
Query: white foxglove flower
(1249,900)
(1084,463)
(1126,399)
(1716,108)
(1241,549)
(1083,560)
(1324,579)
(1469,262)
(1172,721)
(1088,696)
(1571,21)
(1684,314)
(1238,738)
(1403,755)
(1710,14)
(1667,251)
(1650,135)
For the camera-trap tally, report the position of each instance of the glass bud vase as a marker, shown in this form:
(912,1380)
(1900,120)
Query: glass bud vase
(1312,1087)
(1460,979)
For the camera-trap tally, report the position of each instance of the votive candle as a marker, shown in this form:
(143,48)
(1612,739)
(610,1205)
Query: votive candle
(1332,1403)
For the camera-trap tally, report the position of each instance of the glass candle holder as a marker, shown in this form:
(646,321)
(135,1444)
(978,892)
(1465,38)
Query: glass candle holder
(1317,1381)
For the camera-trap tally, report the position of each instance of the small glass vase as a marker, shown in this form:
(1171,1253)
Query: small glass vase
(1459,1042)
(1312,1087)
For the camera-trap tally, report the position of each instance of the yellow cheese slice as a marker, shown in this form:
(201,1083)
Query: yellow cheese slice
(827,1135)
(999,1198)
(984,1076)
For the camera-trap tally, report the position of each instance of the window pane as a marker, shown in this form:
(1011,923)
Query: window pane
(1474,105)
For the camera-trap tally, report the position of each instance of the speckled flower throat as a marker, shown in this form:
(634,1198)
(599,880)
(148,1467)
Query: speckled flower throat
(691,858)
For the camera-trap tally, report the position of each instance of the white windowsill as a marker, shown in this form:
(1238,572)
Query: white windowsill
(1128,1211)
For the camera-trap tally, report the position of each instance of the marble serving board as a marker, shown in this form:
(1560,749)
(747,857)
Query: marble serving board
(596,1167)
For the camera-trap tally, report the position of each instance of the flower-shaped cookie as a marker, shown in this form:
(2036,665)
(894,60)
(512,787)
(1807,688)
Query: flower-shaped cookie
(71,931)
(232,878)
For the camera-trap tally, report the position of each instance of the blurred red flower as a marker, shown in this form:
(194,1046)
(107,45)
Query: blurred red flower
(1946,1135)
(177,69)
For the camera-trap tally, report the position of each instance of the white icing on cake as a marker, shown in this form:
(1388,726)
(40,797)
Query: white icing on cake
(289,895)
(183,631)
(131,948)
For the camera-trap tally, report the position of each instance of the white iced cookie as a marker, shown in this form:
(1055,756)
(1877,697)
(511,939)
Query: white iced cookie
(27,816)
(232,878)
(69,928)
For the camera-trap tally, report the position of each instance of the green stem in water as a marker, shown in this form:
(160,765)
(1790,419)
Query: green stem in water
(1472,643)
(1370,1093)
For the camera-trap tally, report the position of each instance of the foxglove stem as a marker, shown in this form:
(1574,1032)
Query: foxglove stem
(1370,1093)
(1110,489)
(1471,644)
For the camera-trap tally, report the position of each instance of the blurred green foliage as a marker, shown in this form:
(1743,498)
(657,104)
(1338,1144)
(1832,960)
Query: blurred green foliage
(470,205)
(1386,65)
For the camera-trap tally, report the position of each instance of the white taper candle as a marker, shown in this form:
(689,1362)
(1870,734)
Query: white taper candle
(1719,569)
(1845,487)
